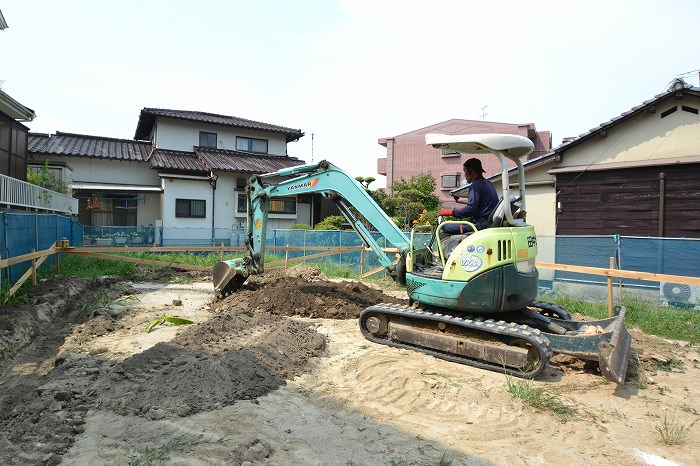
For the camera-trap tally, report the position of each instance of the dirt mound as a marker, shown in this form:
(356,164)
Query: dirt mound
(304,291)
(234,356)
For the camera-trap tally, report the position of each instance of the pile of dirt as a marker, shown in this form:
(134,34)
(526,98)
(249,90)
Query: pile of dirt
(234,356)
(305,292)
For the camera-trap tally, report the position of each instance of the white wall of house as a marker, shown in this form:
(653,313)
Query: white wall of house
(226,201)
(645,137)
(184,135)
(186,229)
(94,170)
(149,209)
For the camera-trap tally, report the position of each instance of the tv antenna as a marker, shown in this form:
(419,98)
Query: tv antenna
(312,147)
(483,111)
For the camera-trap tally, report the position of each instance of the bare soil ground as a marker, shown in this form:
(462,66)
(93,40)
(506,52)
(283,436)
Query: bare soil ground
(279,374)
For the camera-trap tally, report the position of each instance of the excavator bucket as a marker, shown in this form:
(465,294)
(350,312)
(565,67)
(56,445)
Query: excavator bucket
(229,276)
(606,341)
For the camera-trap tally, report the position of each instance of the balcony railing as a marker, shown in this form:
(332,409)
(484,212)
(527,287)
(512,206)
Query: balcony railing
(20,194)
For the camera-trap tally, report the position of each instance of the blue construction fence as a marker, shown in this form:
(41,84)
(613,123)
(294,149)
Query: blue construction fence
(20,233)
(667,256)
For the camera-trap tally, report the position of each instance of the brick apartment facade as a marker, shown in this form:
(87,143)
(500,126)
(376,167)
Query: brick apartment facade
(407,154)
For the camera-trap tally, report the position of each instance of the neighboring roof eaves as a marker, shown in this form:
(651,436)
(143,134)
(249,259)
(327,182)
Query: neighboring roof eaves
(243,162)
(81,145)
(527,165)
(14,109)
(148,117)
(644,106)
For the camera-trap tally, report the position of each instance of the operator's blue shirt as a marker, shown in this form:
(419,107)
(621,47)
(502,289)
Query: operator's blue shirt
(482,199)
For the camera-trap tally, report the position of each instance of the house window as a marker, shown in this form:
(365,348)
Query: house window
(52,177)
(193,208)
(251,145)
(278,205)
(450,181)
(207,139)
(242,205)
(241,183)
(283,205)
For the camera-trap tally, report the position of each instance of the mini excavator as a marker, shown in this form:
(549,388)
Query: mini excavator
(471,297)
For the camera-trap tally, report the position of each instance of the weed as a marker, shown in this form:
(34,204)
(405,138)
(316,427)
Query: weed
(447,377)
(180,279)
(19,298)
(8,349)
(637,374)
(538,397)
(159,455)
(669,365)
(672,430)
(167,318)
(444,461)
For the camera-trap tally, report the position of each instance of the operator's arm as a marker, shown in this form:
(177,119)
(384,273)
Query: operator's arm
(473,202)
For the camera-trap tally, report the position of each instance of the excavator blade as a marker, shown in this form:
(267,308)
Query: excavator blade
(229,276)
(614,355)
(606,341)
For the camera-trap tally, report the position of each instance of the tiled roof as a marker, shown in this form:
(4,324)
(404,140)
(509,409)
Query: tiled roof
(243,162)
(148,117)
(201,161)
(80,145)
(644,106)
(177,160)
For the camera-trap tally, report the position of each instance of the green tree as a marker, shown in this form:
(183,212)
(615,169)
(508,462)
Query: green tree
(365,181)
(332,222)
(413,199)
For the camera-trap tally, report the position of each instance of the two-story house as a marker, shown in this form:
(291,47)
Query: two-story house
(184,172)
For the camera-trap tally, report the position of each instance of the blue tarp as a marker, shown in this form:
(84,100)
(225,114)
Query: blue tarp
(21,233)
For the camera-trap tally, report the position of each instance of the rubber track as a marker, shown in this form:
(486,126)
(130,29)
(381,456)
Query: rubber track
(497,327)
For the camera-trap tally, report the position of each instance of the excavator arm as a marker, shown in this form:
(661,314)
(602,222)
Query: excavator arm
(331,182)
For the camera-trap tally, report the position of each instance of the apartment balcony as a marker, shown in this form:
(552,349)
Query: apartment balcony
(16,194)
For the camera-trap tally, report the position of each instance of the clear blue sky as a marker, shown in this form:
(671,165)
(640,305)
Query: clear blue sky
(348,71)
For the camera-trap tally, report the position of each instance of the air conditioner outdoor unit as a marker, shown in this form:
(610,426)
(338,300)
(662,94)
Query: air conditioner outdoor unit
(679,295)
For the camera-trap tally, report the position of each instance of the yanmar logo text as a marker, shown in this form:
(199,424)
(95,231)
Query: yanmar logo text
(308,184)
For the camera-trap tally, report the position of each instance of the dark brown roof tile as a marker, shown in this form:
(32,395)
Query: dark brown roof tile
(81,145)
(242,162)
(148,117)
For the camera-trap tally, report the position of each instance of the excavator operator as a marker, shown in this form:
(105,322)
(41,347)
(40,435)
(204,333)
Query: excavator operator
(481,201)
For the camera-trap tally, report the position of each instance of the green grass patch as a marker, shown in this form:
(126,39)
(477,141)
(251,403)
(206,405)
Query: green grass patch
(90,267)
(649,316)
(539,397)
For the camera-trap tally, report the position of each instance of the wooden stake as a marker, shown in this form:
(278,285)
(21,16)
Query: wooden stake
(153,263)
(362,262)
(610,290)
(222,251)
(34,269)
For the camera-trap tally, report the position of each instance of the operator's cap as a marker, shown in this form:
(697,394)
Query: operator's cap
(474,165)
